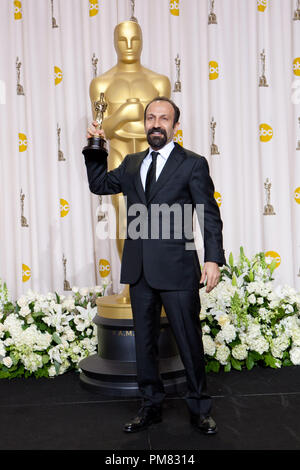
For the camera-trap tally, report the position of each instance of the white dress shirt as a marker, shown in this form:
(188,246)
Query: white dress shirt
(160,162)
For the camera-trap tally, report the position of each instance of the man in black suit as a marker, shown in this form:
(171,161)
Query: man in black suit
(158,264)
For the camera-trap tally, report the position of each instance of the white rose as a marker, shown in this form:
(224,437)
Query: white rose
(223,319)
(219,339)
(222,354)
(84,291)
(229,333)
(52,371)
(208,345)
(289,309)
(260,300)
(22,301)
(205,329)
(240,351)
(7,361)
(259,344)
(295,333)
(295,356)
(98,289)
(252,299)
(2,349)
(69,304)
(70,334)
(24,311)
(8,341)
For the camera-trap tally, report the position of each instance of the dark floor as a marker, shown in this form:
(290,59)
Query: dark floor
(257,410)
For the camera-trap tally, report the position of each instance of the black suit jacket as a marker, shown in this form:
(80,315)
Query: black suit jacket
(185,179)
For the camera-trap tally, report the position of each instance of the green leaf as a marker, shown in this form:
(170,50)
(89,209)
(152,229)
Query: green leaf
(227,273)
(236,364)
(45,358)
(41,325)
(231,260)
(56,338)
(57,366)
(57,298)
(272,266)
(227,368)
(250,362)
(213,366)
(37,314)
(270,361)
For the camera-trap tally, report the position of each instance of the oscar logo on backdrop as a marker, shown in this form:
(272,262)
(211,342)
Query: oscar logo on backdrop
(126,89)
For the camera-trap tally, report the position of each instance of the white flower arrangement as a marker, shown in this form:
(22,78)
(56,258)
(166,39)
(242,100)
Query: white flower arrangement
(247,321)
(46,335)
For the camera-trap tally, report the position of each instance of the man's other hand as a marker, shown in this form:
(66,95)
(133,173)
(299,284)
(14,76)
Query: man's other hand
(211,273)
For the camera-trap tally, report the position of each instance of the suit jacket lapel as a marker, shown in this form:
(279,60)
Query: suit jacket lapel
(137,178)
(174,160)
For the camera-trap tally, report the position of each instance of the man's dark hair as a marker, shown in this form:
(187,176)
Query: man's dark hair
(164,98)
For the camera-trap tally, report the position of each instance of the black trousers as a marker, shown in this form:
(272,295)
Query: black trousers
(182,310)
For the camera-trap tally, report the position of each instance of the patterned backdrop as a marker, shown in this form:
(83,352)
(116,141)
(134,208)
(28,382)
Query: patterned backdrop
(234,66)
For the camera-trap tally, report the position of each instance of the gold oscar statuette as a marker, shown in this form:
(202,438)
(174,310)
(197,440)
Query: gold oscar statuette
(212,17)
(24,222)
(60,153)
(20,89)
(177,85)
(94,64)
(97,143)
(214,150)
(128,87)
(262,78)
(54,23)
(296,16)
(101,215)
(132,17)
(66,282)
(268,209)
(298,143)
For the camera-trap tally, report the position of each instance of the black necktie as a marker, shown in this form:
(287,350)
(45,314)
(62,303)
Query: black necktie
(151,175)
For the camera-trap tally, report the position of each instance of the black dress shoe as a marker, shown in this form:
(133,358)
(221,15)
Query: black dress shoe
(205,424)
(146,416)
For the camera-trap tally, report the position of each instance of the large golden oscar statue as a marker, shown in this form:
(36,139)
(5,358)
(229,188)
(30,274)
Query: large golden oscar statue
(127,88)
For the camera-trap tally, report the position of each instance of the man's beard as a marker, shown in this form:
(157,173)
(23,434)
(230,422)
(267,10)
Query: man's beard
(157,142)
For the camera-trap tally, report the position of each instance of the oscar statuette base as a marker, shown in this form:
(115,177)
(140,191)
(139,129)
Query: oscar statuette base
(112,371)
(95,147)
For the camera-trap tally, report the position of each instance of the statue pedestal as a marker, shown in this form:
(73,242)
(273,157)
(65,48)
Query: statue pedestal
(112,371)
